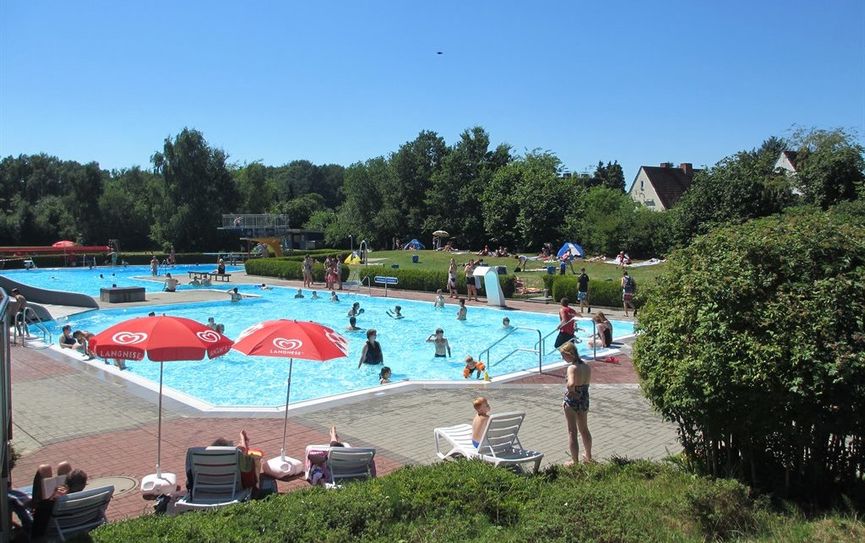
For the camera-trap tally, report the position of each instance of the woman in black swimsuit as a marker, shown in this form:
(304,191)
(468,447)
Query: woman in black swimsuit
(371,353)
(576,402)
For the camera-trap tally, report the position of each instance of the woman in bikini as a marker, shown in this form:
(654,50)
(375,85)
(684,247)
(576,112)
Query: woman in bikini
(576,402)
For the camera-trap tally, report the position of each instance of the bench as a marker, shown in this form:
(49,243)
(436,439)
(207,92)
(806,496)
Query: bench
(119,295)
(211,275)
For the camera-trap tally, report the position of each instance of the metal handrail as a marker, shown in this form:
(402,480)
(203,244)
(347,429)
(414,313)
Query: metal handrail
(543,340)
(514,329)
(368,284)
(21,318)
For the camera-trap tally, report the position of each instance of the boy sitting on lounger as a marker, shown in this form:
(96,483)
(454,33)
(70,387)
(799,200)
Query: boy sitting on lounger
(482,418)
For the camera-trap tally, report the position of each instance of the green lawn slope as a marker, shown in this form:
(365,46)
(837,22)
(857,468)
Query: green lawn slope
(471,501)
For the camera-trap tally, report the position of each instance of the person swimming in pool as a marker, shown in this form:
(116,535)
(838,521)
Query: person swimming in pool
(371,353)
(396,313)
(506,323)
(355,310)
(461,312)
(333,296)
(315,295)
(443,348)
(352,325)
(440,300)
(384,376)
(299,294)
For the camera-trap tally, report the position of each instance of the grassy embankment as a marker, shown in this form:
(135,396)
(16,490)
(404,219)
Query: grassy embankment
(470,501)
(437,260)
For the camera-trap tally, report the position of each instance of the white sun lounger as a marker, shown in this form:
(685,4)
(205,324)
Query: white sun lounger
(215,479)
(78,513)
(499,445)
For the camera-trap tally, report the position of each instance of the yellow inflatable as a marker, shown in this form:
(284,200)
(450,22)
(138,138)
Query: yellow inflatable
(352,259)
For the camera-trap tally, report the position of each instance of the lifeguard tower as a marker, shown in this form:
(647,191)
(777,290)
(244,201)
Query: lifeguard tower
(271,229)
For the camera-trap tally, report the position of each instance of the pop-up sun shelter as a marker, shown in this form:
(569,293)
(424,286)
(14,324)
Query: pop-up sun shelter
(572,250)
(414,244)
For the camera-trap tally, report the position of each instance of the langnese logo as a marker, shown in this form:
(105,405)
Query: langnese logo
(128,338)
(287,346)
(208,336)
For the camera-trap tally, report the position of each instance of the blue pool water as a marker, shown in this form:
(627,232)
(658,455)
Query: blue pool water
(238,380)
(87,281)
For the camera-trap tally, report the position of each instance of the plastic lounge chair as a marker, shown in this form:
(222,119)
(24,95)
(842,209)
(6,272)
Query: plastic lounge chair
(215,479)
(499,445)
(341,463)
(78,513)
(348,464)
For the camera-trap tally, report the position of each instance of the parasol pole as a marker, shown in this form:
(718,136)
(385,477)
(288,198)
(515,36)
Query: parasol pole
(159,425)
(287,393)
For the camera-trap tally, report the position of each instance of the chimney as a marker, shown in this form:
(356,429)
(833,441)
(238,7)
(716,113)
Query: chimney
(666,164)
(687,168)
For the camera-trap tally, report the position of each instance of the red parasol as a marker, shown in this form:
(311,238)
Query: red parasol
(162,339)
(291,339)
(64,243)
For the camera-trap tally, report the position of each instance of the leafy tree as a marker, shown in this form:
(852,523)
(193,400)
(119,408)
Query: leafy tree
(413,166)
(198,189)
(544,198)
(300,209)
(454,197)
(738,188)
(256,191)
(609,175)
(363,199)
(126,207)
(753,342)
(604,220)
(52,220)
(830,166)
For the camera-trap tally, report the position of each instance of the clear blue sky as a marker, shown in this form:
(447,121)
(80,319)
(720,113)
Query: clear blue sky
(337,82)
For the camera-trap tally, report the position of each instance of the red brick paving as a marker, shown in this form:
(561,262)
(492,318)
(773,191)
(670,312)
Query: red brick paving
(133,452)
(30,365)
(602,373)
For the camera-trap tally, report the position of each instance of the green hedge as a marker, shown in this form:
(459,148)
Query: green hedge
(431,280)
(607,293)
(59,261)
(469,501)
(287,269)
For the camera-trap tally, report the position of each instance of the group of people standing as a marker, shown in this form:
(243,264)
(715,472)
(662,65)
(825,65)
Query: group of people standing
(332,272)
(472,282)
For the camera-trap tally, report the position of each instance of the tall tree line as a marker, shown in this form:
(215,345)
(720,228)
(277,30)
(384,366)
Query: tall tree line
(479,192)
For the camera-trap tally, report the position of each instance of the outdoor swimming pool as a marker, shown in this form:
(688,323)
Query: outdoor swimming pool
(87,281)
(239,380)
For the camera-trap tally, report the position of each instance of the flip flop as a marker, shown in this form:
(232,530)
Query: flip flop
(611,360)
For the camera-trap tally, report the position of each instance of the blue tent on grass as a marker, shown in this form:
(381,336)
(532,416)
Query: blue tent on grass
(572,250)
(414,244)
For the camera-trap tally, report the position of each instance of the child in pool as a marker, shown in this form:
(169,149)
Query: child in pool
(395,314)
(443,348)
(333,296)
(299,294)
(461,312)
(315,295)
(440,300)
(473,366)
(384,376)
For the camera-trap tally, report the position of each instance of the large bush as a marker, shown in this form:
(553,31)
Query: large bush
(471,501)
(605,293)
(753,342)
(287,269)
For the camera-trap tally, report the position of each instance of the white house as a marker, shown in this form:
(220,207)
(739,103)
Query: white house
(660,187)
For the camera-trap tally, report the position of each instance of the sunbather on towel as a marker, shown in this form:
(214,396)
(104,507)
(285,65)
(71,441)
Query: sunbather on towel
(482,418)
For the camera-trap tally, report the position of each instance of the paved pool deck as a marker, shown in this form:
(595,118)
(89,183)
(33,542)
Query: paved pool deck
(64,409)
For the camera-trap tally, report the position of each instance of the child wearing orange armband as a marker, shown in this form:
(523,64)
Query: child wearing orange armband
(473,366)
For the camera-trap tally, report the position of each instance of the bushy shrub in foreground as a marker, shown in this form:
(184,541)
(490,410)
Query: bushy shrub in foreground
(753,342)
(472,501)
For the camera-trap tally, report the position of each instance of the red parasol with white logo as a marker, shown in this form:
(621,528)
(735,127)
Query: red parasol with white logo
(284,338)
(161,339)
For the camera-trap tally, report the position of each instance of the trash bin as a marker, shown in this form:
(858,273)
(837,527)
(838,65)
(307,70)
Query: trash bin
(551,270)
(414,259)
(502,270)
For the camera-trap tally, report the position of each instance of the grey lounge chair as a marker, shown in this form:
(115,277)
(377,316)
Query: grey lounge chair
(78,513)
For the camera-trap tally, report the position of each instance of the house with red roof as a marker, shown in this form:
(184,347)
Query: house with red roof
(660,187)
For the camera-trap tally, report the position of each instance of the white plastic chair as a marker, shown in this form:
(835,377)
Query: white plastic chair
(78,513)
(498,446)
(215,479)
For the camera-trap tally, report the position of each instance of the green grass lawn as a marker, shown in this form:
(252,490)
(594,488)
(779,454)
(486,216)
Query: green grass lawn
(470,501)
(438,260)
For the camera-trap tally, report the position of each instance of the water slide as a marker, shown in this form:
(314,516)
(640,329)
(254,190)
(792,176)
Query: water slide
(36,297)
(492,287)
